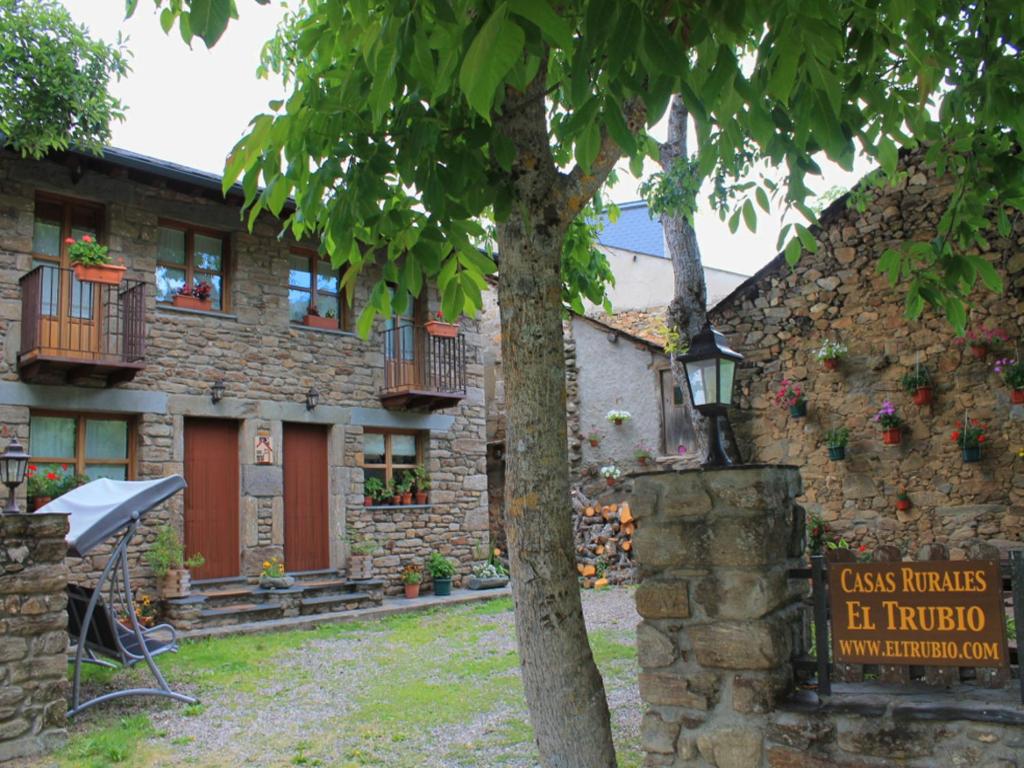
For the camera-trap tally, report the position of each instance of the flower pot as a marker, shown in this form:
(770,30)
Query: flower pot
(830,363)
(315,321)
(799,410)
(475,582)
(972,454)
(610,480)
(276,582)
(594,443)
(617,422)
(367,501)
(360,567)
(191,302)
(642,460)
(422,497)
(902,505)
(108,274)
(892,436)
(442,330)
(412,590)
(923,396)
(407,499)
(177,583)
(442,587)
(1017,396)
(396,501)
(836,452)
(37,502)
(979,352)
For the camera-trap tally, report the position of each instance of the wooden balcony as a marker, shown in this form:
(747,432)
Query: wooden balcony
(421,371)
(73,330)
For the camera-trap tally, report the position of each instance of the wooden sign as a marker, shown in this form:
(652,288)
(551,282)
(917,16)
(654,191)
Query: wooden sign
(942,613)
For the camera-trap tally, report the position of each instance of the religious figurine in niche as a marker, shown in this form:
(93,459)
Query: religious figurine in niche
(264,450)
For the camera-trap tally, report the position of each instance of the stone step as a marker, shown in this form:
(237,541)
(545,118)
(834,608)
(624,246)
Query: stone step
(333,603)
(240,613)
(322,574)
(218,583)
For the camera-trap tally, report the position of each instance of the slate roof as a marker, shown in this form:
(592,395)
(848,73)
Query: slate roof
(634,230)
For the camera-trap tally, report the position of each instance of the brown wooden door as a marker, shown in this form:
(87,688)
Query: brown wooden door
(306,545)
(211,498)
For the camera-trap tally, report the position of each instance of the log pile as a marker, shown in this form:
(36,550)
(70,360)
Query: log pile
(603,536)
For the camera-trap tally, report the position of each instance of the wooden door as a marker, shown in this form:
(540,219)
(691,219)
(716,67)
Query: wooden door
(676,427)
(211,498)
(306,528)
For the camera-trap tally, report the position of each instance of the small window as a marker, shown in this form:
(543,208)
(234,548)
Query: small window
(386,455)
(189,256)
(84,444)
(313,282)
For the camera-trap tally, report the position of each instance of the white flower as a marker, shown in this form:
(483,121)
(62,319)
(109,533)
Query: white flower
(831,350)
(616,415)
(611,471)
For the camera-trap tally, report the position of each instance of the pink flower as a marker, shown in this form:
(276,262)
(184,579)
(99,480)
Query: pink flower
(86,239)
(69,241)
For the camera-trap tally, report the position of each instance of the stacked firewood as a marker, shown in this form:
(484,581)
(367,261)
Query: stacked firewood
(604,541)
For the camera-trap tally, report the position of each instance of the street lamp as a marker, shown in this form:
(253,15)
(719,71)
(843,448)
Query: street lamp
(217,391)
(710,375)
(13,463)
(312,399)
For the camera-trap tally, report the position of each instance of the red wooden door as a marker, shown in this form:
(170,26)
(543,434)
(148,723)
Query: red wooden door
(211,498)
(306,544)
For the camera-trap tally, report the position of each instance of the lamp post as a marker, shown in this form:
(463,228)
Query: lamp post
(13,463)
(710,367)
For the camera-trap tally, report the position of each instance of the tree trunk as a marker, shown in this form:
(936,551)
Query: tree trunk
(564,689)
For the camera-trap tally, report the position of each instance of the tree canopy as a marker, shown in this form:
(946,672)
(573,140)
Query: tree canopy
(54,80)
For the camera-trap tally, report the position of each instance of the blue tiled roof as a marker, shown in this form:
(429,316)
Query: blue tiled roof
(634,231)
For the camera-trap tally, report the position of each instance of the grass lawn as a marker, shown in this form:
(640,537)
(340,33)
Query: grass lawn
(410,691)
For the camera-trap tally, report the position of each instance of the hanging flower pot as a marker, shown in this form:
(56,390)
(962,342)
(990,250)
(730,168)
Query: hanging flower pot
(979,351)
(618,417)
(441,329)
(1017,396)
(830,364)
(923,396)
(972,454)
(891,424)
(892,436)
(902,505)
(798,410)
(836,452)
(970,435)
(830,354)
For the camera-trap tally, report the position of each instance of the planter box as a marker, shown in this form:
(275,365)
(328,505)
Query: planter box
(497,582)
(315,321)
(108,274)
(360,567)
(177,583)
(191,302)
(443,330)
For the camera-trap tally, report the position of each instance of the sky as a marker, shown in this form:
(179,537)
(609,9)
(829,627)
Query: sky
(190,106)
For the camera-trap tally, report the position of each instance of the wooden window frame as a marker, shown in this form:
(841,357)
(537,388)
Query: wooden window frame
(79,460)
(389,466)
(342,309)
(191,230)
(67,206)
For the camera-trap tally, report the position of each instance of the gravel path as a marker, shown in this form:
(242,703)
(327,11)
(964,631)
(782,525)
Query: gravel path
(436,690)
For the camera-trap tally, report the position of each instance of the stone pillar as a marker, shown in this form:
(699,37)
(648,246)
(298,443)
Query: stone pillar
(720,617)
(33,634)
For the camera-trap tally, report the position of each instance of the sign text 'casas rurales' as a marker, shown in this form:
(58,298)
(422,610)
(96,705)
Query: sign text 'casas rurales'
(946,613)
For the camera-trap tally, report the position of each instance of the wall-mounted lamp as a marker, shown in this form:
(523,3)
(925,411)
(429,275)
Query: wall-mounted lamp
(312,399)
(13,464)
(217,390)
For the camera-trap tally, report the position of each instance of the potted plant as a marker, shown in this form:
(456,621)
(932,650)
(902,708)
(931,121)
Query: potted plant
(313,319)
(422,484)
(918,383)
(373,491)
(391,492)
(970,436)
(984,341)
(403,488)
(194,297)
(642,453)
(441,570)
(438,327)
(360,557)
(166,556)
(790,395)
(836,440)
(411,578)
(490,574)
(1012,372)
(594,437)
(91,261)
(902,499)
(145,612)
(611,473)
(830,353)
(817,532)
(618,417)
(892,425)
(273,576)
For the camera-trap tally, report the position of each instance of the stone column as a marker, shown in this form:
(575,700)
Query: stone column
(33,634)
(720,617)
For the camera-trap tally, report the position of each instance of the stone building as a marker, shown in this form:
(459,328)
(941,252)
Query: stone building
(779,318)
(274,423)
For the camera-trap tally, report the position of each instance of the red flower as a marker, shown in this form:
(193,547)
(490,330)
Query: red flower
(862,547)
(981,438)
(955,436)
(69,241)
(33,467)
(51,475)
(64,467)
(86,239)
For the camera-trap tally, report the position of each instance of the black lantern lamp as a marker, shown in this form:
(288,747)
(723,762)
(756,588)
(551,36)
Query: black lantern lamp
(312,399)
(13,463)
(710,375)
(217,391)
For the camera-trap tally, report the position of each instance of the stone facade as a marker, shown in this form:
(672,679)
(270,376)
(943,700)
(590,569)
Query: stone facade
(778,320)
(266,362)
(33,634)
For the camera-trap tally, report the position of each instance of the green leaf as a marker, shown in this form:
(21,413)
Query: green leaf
(956,312)
(660,50)
(888,156)
(889,264)
(490,57)
(166,20)
(988,273)
(783,75)
(550,23)
(806,239)
(749,215)
(588,144)
(762,199)
(209,19)
(793,251)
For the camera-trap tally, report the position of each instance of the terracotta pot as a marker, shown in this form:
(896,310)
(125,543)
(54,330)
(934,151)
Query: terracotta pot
(315,321)
(177,583)
(594,443)
(191,302)
(422,497)
(902,505)
(442,330)
(396,501)
(923,396)
(831,363)
(892,436)
(979,352)
(412,590)
(1017,396)
(39,501)
(108,274)
(407,498)
(617,422)
(610,480)
(367,501)
(642,460)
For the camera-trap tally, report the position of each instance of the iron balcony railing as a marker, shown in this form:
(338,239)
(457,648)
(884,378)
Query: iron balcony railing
(65,318)
(416,361)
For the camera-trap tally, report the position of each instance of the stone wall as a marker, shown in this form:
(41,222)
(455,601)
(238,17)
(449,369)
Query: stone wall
(267,364)
(779,319)
(33,634)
